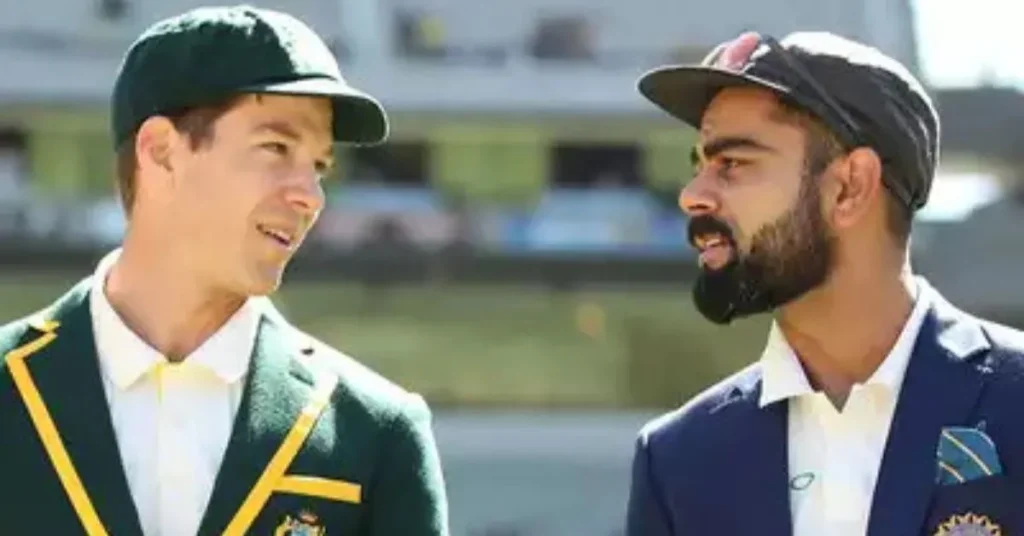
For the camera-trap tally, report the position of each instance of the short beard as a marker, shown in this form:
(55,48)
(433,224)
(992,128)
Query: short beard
(788,258)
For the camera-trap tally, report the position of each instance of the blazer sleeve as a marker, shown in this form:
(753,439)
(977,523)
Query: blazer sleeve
(408,496)
(646,513)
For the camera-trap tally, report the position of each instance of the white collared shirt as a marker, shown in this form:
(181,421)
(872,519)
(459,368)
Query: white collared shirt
(834,456)
(172,421)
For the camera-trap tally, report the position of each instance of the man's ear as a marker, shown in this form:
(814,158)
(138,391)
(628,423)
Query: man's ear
(154,144)
(858,179)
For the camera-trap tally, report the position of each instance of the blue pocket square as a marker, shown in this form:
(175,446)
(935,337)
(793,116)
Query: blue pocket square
(965,454)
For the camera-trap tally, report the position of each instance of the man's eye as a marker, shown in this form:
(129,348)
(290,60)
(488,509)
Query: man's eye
(729,163)
(276,147)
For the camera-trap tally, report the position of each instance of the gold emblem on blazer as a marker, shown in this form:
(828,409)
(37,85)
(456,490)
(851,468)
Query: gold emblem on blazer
(305,524)
(969,524)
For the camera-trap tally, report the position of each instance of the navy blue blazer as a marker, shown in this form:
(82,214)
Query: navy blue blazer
(718,465)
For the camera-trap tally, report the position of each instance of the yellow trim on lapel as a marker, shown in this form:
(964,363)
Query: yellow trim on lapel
(279,463)
(314,486)
(47,430)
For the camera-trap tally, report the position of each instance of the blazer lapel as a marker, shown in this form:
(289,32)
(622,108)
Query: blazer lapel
(759,479)
(941,387)
(277,389)
(68,380)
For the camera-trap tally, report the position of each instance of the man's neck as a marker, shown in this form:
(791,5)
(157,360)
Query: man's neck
(843,331)
(163,304)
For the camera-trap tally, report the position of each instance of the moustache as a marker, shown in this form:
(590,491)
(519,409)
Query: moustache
(707,225)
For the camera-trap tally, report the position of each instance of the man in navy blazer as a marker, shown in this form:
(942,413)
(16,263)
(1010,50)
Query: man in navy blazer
(877,407)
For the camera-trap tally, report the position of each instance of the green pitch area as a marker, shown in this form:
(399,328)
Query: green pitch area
(491,345)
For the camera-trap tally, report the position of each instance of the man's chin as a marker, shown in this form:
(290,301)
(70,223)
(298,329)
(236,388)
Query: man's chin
(724,294)
(714,295)
(719,312)
(722,300)
(264,280)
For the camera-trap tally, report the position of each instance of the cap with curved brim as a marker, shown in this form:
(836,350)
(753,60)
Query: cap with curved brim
(686,92)
(358,117)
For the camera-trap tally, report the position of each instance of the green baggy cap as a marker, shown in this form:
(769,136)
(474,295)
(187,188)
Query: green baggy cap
(210,54)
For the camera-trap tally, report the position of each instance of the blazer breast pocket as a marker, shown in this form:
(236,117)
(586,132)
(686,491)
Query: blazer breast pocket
(985,506)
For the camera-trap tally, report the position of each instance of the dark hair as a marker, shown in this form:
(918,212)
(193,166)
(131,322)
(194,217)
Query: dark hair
(197,123)
(822,146)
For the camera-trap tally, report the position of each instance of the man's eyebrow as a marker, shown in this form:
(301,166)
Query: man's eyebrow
(279,127)
(713,148)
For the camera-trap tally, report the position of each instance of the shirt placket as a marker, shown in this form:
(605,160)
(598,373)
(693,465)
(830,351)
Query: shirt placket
(175,463)
(840,477)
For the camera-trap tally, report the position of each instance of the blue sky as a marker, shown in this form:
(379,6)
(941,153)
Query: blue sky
(963,42)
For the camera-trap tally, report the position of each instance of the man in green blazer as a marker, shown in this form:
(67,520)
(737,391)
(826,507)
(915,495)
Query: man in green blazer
(164,395)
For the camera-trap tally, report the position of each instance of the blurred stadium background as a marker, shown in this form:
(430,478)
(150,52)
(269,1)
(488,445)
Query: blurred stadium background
(515,252)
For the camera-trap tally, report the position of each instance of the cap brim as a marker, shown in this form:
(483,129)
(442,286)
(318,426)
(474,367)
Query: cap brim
(685,92)
(358,117)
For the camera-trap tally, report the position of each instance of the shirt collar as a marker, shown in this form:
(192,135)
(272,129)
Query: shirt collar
(783,376)
(125,357)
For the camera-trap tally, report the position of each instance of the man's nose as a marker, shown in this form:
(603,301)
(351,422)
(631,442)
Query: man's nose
(697,198)
(307,193)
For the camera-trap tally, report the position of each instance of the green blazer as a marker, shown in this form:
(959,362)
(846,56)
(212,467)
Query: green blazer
(320,446)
